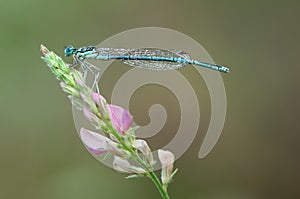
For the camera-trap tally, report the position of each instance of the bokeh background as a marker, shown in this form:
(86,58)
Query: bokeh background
(257,155)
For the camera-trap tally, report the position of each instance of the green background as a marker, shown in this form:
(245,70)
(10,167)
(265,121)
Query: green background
(257,155)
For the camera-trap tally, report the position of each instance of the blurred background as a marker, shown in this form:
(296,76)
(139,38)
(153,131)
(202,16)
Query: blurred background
(257,155)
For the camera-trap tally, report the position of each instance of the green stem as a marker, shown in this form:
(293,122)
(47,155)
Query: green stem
(152,175)
(158,185)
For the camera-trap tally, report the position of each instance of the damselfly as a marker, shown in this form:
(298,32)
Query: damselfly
(145,58)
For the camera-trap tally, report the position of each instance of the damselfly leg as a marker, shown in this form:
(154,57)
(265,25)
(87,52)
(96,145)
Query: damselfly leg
(88,67)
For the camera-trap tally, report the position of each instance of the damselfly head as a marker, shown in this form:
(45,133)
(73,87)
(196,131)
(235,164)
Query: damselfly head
(69,50)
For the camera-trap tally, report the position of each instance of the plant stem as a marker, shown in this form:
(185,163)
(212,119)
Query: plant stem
(63,73)
(158,185)
(152,175)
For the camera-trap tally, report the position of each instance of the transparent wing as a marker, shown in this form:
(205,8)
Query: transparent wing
(108,52)
(144,54)
(156,64)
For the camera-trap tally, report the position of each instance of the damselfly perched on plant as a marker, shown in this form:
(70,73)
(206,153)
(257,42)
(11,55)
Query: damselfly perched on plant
(117,133)
(145,58)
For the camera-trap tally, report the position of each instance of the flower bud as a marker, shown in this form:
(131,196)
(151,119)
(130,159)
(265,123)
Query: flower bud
(143,147)
(166,158)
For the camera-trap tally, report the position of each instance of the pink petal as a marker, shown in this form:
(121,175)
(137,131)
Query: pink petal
(88,113)
(113,112)
(120,164)
(120,118)
(165,157)
(126,120)
(143,147)
(96,151)
(98,99)
(95,142)
(123,165)
(79,81)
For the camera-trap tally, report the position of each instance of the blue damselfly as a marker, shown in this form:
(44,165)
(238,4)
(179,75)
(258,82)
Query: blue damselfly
(145,58)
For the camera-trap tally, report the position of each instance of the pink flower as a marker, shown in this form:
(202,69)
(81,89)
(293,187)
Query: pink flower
(166,159)
(98,143)
(95,142)
(121,119)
